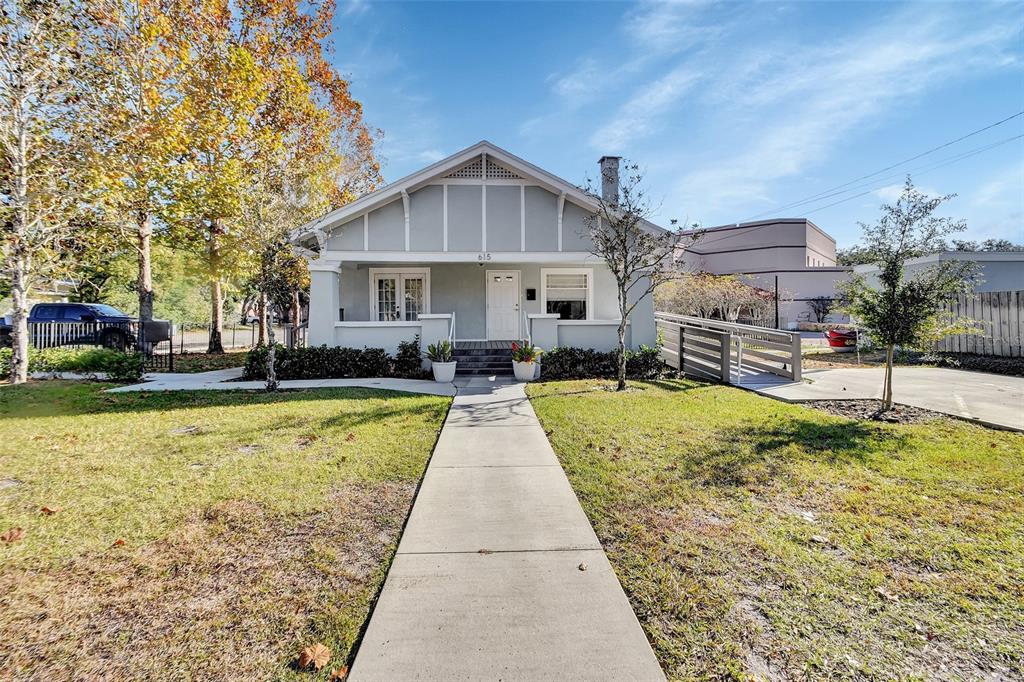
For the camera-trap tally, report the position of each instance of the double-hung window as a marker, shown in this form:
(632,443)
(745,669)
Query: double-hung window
(568,292)
(399,295)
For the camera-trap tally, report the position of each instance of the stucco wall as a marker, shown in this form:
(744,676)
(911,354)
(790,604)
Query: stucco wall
(461,288)
(796,287)
(767,245)
(998,271)
(426,212)
(510,210)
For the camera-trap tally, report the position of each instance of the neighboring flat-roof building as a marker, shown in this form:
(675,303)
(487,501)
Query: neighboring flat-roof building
(792,253)
(999,270)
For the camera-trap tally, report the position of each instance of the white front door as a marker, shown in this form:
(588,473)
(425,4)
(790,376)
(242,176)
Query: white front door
(503,305)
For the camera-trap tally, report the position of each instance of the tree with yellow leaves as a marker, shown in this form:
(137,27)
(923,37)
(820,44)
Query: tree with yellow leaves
(137,59)
(258,81)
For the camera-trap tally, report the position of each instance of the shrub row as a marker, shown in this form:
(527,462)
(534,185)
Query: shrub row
(586,363)
(332,362)
(117,366)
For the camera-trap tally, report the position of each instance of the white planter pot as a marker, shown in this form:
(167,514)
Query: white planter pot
(444,372)
(524,371)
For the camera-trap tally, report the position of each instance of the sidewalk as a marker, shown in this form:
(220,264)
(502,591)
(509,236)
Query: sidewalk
(990,399)
(499,575)
(226,380)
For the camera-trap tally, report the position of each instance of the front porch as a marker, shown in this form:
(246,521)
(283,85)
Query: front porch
(477,306)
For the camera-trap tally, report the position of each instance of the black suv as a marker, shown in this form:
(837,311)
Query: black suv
(113,328)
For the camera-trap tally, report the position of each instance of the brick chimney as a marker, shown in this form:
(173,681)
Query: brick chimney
(610,179)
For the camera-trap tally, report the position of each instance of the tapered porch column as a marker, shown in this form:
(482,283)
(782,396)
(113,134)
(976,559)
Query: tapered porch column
(324,301)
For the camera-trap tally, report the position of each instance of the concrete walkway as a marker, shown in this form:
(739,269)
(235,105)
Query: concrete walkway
(225,380)
(499,575)
(990,399)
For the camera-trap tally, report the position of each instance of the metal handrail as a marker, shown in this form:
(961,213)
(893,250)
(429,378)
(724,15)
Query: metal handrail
(528,337)
(451,331)
(724,326)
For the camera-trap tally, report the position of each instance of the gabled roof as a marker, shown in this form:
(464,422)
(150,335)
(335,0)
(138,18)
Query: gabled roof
(447,167)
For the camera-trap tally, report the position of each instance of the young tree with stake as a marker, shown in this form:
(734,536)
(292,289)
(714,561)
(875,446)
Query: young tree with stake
(900,310)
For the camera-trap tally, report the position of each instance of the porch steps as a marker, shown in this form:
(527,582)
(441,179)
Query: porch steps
(483,361)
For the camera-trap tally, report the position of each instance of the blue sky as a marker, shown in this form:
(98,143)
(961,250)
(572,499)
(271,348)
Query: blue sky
(735,111)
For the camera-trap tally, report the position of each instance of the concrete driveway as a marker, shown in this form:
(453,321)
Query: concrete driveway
(991,399)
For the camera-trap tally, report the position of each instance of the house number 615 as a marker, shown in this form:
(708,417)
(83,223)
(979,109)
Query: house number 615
(483,256)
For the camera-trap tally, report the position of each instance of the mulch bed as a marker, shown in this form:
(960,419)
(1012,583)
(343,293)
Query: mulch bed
(871,410)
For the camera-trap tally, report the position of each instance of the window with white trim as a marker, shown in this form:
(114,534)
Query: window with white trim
(568,292)
(399,295)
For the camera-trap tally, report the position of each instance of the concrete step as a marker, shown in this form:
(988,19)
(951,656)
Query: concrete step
(483,371)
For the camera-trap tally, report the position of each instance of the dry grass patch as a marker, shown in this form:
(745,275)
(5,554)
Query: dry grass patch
(232,559)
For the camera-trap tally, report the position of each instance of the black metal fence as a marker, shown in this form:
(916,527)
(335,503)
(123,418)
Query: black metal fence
(153,339)
(159,340)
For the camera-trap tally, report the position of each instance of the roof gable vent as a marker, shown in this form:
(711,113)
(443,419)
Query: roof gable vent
(496,171)
(473,170)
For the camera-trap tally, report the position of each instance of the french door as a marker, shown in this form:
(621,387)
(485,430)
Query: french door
(399,296)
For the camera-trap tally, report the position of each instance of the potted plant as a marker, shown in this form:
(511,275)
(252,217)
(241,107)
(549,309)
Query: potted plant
(524,360)
(441,356)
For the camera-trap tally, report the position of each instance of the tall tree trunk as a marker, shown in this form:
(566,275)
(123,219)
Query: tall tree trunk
(18,254)
(296,317)
(887,389)
(216,344)
(144,285)
(261,316)
(19,333)
(272,383)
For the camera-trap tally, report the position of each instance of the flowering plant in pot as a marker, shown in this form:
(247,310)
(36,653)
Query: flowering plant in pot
(442,361)
(524,357)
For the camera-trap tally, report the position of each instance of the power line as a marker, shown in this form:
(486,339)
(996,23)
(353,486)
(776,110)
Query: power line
(832,192)
(925,168)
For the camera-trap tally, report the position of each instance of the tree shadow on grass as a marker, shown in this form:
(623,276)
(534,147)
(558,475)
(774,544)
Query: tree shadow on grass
(751,453)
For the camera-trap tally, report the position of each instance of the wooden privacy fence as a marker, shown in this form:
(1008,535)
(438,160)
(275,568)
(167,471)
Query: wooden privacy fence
(1000,315)
(727,352)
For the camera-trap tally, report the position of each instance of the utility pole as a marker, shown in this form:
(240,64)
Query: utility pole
(776,301)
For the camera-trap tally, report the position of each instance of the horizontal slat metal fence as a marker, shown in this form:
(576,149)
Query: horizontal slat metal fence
(759,349)
(1000,317)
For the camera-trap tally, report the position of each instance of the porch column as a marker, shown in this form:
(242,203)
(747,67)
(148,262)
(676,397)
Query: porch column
(324,301)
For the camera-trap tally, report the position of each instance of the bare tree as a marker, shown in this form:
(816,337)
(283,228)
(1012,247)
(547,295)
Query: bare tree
(38,60)
(639,255)
(820,307)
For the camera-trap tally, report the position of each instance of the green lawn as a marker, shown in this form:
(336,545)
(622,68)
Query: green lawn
(757,538)
(198,535)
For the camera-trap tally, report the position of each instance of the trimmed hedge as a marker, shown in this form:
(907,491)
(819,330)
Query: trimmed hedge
(332,362)
(586,363)
(118,366)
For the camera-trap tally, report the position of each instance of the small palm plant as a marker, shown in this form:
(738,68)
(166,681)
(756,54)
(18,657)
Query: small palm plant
(441,351)
(525,352)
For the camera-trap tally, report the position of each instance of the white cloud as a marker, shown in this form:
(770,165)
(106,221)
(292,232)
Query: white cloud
(805,101)
(669,27)
(890,193)
(355,8)
(637,117)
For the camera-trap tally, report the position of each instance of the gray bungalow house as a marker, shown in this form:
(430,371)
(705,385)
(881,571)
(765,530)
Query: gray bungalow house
(481,247)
